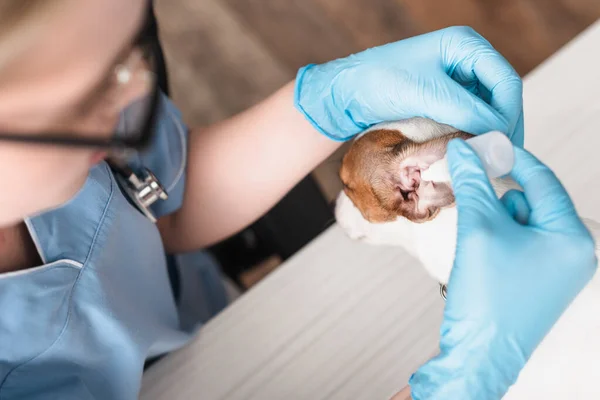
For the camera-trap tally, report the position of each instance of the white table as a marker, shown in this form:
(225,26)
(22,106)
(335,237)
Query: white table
(344,320)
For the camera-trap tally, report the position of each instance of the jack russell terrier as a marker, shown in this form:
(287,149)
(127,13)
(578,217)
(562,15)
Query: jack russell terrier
(385,202)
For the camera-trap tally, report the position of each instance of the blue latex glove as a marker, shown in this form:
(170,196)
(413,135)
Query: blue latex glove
(520,261)
(452,76)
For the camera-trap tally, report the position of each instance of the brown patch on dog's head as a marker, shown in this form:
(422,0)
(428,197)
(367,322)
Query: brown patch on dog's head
(381,175)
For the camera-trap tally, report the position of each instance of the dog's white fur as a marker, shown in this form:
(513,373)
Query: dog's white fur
(567,363)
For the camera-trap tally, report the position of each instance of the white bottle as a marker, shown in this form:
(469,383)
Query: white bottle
(494,149)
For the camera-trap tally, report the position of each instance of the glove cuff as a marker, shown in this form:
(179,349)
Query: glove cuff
(467,371)
(313,97)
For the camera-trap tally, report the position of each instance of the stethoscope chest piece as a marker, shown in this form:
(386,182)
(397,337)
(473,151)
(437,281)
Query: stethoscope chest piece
(443,291)
(143,188)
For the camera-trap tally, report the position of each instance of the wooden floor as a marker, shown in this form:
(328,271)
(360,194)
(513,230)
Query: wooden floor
(225,55)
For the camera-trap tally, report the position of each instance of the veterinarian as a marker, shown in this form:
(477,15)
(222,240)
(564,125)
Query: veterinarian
(92,153)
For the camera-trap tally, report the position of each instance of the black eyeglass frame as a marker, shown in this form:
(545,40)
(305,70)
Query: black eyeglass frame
(146,37)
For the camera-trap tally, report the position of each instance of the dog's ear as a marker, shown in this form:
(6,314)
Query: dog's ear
(369,206)
(360,163)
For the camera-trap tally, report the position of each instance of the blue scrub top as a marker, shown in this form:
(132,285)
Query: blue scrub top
(82,325)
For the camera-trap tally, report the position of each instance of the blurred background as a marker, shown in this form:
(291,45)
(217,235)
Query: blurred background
(225,55)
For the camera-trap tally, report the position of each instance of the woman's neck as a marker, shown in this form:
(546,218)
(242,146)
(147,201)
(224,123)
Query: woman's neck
(17,250)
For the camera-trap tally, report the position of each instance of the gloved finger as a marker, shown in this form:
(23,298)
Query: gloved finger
(505,86)
(518,136)
(444,100)
(550,204)
(483,93)
(515,203)
(473,87)
(393,94)
(477,60)
(473,191)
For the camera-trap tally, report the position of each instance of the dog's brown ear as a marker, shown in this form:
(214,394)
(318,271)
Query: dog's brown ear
(358,165)
(368,205)
(380,138)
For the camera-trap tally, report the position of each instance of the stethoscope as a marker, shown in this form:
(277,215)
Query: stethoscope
(141,186)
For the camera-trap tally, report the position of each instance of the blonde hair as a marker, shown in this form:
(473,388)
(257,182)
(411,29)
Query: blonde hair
(20,21)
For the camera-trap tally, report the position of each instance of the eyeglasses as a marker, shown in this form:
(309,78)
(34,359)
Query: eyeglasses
(121,115)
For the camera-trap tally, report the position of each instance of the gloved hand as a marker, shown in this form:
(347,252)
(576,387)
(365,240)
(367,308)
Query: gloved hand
(519,263)
(452,76)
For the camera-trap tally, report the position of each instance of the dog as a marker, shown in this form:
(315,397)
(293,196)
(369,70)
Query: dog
(384,201)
